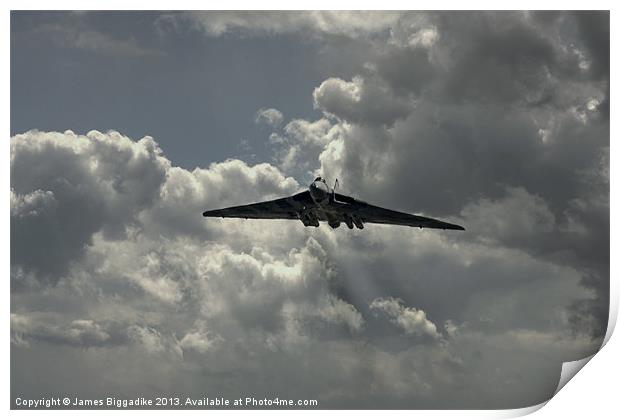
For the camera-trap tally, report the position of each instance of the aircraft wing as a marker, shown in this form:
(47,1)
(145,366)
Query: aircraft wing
(282,208)
(375,214)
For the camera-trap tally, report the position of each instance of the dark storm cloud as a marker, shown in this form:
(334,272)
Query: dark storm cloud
(500,59)
(406,70)
(514,103)
(594,29)
(360,102)
(492,120)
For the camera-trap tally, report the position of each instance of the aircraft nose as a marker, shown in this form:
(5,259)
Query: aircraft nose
(318,191)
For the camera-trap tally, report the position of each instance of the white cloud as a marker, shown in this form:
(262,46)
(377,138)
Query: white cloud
(300,143)
(412,321)
(199,341)
(261,23)
(46,327)
(152,277)
(31,204)
(339,312)
(270,116)
(86,184)
(109,183)
(424,37)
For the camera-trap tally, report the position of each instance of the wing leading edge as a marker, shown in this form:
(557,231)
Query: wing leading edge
(375,214)
(282,208)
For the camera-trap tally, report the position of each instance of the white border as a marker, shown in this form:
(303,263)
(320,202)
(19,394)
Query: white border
(593,394)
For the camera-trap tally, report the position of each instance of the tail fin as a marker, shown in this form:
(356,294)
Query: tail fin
(336,185)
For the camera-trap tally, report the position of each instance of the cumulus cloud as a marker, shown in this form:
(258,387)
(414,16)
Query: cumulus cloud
(360,101)
(79,332)
(299,143)
(198,340)
(31,204)
(270,116)
(181,291)
(105,183)
(500,142)
(509,144)
(411,320)
(87,184)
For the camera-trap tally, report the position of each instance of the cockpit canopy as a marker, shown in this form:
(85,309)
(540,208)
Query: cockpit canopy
(319,179)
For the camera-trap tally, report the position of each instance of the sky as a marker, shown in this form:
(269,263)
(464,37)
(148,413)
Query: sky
(126,126)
